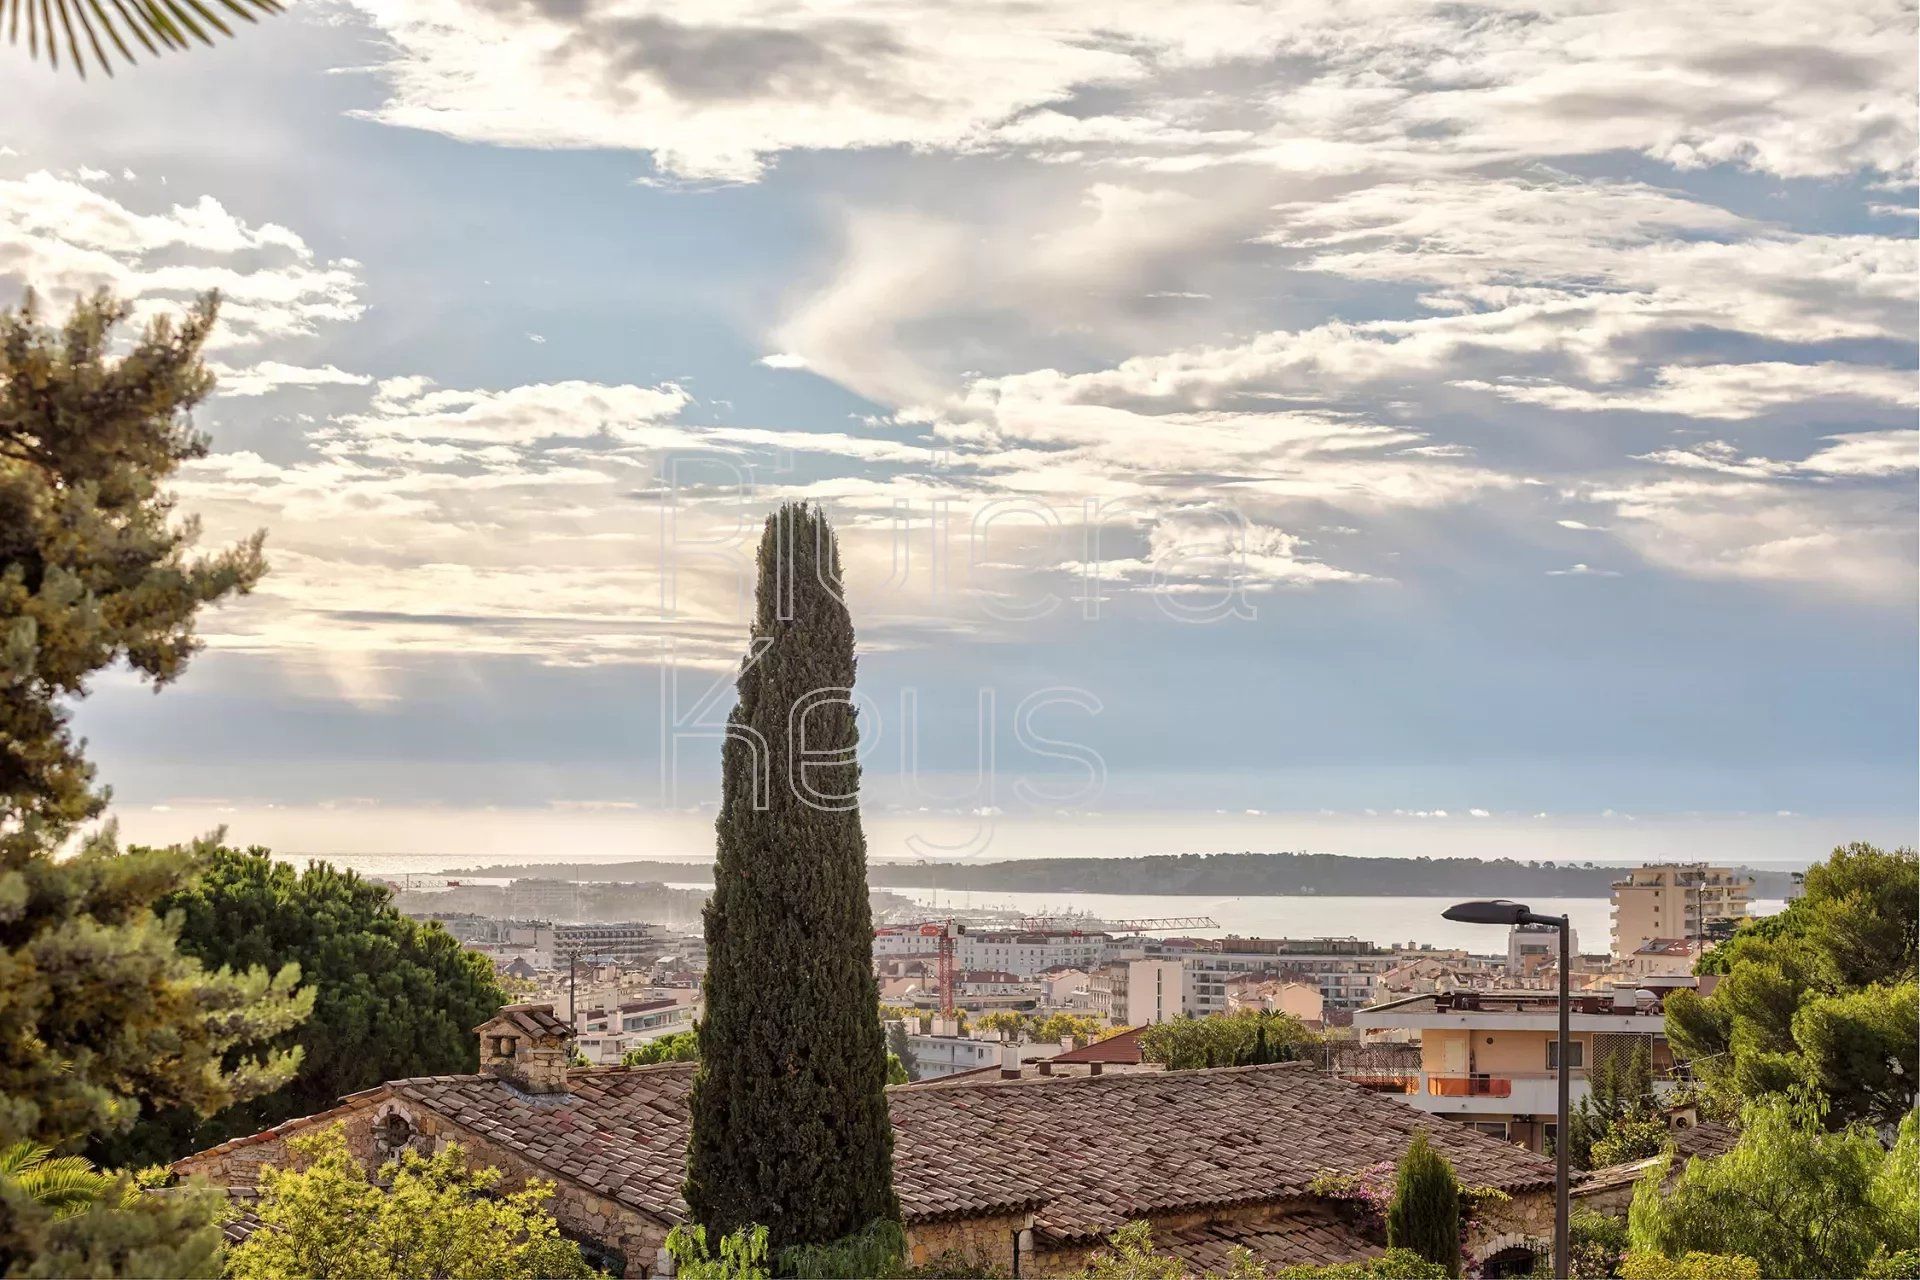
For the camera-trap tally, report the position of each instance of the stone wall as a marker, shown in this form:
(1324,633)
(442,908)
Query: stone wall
(985,1241)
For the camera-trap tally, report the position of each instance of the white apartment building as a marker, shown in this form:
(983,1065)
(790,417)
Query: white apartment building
(1346,970)
(1675,900)
(1491,1059)
(604,1035)
(1028,954)
(1160,990)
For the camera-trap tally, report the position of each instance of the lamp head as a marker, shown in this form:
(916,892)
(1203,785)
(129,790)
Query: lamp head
(1493,911)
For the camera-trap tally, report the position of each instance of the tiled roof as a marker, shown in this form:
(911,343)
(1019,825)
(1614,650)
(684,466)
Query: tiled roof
(1705,1139)
(534,1020)
(1114,1147)
(1086,1153)
(1121,1048)
(1311,1235)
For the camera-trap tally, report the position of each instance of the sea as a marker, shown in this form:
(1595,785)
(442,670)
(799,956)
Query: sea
(1384,920)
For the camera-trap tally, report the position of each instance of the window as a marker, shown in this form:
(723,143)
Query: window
(1576,1055)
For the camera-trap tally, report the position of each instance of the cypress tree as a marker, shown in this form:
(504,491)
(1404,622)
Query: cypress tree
(1424,1215)
(790,1127)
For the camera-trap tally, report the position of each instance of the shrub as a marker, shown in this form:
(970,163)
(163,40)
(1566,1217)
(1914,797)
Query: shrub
(1425,1214)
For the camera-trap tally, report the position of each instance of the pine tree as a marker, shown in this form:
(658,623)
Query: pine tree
(1424,1215)
(101,1016)
(790,1127)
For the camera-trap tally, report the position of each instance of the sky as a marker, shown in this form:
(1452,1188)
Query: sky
(1374,428)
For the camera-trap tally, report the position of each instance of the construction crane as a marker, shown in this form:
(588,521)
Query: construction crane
(1164,924)
(943,933)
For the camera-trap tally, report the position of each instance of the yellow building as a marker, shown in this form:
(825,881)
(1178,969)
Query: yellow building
(1675,900)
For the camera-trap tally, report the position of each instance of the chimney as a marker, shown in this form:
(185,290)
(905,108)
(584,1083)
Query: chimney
(1009,1061)
(528,1047)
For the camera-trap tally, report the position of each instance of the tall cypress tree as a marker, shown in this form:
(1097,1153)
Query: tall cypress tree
(1424,1215)
(790,1127)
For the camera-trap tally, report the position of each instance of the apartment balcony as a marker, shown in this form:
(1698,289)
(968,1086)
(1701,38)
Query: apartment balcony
(1503,1093)
(1485,1093)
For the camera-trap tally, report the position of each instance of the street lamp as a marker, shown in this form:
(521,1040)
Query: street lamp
(1501,911)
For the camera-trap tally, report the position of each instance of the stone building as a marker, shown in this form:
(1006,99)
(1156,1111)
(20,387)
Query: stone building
(1030,1175)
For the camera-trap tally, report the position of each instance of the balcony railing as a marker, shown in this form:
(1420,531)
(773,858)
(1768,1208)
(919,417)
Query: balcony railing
(1475,1085)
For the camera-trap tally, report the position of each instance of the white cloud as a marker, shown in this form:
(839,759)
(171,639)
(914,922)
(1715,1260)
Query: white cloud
(1725,391)
(67,239)
(270,375)
(1867,453)
(784,360)
(713,91)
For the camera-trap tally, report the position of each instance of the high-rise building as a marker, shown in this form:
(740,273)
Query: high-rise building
(1675,900)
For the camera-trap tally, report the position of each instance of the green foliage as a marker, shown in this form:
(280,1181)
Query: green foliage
(1424,1215)
(1394,1264)
(117,1230)
(63,1185)
(1688,1266)
(1823,994)
(1620,1119)
(1792,1195)
(789,1109)
(93,567)
(1130,1255)
(160,25)
(101,1015)
(100,1012)
(875,1251)
(1904,1265)
(1597,1243)
(900,1053)
(742,1256)
(681,1046)
(1225,1040)
(392,997)
(423,1218)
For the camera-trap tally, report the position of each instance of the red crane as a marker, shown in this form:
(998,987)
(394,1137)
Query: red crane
(945,931)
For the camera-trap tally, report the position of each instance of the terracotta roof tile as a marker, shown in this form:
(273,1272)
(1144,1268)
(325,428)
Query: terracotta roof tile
(1308,1235)
(1121,1048)
(1087,1153)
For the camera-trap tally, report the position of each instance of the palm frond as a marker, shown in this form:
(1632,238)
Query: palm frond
(96,31)
(20,1157)
(65,1184)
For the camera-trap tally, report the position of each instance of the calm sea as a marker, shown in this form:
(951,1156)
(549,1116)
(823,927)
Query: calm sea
(1381,920)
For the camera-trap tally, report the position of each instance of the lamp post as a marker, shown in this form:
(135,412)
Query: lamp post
(1501,911)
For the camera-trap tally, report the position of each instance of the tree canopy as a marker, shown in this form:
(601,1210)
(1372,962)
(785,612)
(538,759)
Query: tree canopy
(102,1017)
(1226,1039)
(1796,1197)
(94,568)
(392,996)
(1822,994)
(328,1219)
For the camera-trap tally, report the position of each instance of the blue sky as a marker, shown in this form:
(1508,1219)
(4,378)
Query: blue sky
(1488,428)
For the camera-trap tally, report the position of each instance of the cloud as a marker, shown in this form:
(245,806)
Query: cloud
(1724,391)
(784,360)
(66,238)
(715,91)
(271,375)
